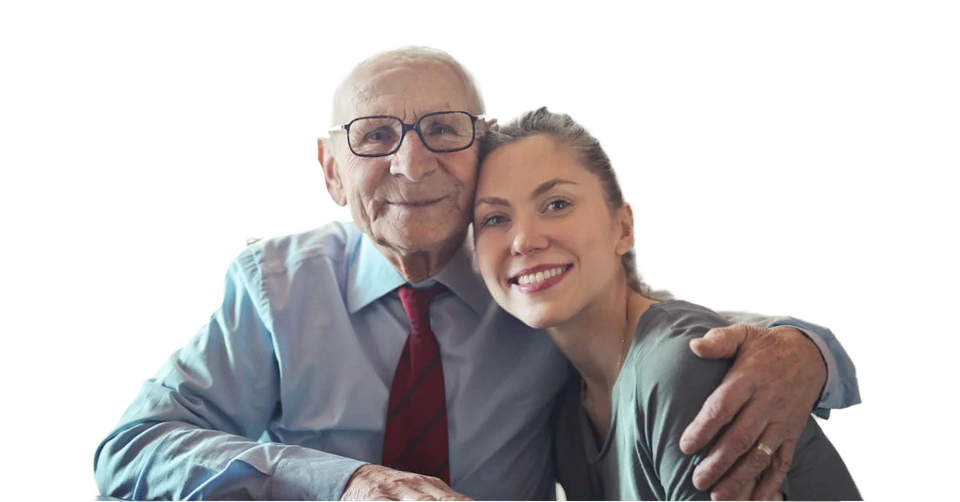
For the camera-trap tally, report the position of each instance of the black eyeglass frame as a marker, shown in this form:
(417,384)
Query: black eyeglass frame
(405,128)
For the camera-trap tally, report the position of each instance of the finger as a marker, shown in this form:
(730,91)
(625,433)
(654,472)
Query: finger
(414,493)
(717,411)
(774,475)
(750,464)
(738,439)
(745,493)
(440,490)
(720,343)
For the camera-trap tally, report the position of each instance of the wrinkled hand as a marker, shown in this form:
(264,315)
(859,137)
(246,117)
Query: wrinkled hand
(768,394)
(746,492)
(376,482)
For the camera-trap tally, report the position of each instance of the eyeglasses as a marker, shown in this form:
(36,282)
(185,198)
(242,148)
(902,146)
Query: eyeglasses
(381,135)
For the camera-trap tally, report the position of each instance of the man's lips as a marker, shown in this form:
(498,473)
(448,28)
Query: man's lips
(417,203)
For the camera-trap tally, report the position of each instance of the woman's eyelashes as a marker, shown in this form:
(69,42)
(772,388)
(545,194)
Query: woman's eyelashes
(556,205)
(493,220)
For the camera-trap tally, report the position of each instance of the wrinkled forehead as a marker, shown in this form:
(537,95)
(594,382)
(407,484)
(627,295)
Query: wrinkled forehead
(407,90)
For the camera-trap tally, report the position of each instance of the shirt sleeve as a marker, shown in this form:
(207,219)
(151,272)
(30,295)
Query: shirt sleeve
(192,431)
(841,389)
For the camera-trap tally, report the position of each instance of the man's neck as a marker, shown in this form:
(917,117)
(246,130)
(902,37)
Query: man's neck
(420,264)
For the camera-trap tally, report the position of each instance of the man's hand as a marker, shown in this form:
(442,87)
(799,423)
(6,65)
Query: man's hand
(767,395)
(376,482)
(746,492)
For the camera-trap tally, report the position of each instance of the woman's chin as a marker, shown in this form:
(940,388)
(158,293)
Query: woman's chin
(537,319)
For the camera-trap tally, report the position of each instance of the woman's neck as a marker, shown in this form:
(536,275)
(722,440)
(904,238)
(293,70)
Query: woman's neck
(597,340)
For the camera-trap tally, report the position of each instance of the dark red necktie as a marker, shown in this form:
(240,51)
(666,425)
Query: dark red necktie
(415,439)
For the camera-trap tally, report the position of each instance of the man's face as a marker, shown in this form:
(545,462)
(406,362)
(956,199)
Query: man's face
(412,200)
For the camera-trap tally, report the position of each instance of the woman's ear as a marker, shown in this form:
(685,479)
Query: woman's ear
(330,173)
(625,227)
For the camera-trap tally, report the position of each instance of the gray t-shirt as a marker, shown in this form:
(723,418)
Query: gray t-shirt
(660,390)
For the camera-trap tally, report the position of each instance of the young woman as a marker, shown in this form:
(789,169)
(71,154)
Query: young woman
(553,243)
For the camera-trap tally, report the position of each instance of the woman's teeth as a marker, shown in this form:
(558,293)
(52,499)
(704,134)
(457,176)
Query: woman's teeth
(539,276)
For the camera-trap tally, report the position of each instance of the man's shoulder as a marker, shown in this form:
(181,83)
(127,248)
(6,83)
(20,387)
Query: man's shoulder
(333,242)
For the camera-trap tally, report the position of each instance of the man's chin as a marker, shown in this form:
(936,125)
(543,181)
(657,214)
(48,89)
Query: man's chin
(417,236)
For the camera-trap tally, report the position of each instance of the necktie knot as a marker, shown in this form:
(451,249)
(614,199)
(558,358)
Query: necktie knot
(416,303)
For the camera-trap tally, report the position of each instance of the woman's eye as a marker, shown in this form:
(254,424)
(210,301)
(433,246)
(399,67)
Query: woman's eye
(492,221)
(558,205)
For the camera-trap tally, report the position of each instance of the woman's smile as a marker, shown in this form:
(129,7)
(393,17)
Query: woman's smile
(539,278)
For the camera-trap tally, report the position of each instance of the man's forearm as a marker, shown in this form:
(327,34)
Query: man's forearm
(177,460)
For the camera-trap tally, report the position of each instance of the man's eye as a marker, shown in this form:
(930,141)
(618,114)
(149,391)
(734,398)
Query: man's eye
(440,129)
(377,135)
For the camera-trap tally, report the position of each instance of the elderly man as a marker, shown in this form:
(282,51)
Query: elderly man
(368,360)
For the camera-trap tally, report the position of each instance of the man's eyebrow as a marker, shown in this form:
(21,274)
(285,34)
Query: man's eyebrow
(540,190)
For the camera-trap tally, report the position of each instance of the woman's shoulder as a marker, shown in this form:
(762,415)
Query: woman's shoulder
(661,356)
(676,320)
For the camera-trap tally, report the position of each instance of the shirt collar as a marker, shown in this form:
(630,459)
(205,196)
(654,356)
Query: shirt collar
(373,276)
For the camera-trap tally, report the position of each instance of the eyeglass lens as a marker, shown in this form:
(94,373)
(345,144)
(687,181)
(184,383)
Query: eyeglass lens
(445,131)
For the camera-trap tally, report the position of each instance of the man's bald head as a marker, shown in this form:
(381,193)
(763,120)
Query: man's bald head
(356,86)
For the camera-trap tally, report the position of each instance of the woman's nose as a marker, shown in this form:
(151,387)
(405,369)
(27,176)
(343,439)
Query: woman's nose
(528,239)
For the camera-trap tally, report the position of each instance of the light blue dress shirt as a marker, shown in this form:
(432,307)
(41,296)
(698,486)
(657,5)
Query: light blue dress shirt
(283,394)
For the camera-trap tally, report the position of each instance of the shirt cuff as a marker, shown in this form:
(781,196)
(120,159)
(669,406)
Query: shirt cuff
(312,475)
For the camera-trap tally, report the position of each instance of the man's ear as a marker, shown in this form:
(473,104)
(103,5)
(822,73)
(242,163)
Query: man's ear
(489,125)
(330,173)
(625,226)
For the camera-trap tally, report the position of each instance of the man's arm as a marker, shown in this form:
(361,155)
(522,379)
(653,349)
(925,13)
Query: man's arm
(841,389)
(191,433)
(775,382)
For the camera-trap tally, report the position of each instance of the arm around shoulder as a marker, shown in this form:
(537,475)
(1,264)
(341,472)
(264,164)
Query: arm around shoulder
(841,389)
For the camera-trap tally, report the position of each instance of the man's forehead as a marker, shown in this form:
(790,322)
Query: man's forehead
(408,105)
(405,88)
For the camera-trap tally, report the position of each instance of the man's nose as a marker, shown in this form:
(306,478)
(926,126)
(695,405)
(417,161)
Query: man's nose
(529,238)
(413,160)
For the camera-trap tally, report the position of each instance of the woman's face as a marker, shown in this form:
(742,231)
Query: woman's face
(548,244)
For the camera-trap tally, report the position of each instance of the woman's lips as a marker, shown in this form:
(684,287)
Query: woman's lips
(539,278)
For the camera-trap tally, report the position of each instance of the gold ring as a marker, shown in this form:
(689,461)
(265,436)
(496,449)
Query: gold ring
(765,449)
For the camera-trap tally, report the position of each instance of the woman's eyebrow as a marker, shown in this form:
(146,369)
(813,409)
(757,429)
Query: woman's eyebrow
(547,185)
(540,190)
(494,201)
